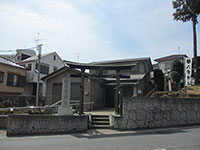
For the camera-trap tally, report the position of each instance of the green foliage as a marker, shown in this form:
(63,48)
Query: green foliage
(177,72)
(159,79)
(186,10)
(178,66)
(194,6)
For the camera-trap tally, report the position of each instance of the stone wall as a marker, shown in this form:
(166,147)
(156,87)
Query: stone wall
(45,124)
(3,121)
(156,113)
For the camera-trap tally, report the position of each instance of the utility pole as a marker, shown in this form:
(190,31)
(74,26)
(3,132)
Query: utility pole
(39,47)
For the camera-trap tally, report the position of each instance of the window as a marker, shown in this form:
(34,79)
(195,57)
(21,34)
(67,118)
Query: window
(15,80)
(1,76)
(44,69)
(55,68)
(54,57)
(29,67)
(24,56)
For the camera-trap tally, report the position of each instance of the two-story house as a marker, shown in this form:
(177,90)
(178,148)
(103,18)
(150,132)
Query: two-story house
(49,63)
(134,81)
(12,77)
(165,63)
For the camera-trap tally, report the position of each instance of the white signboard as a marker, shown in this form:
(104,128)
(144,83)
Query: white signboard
(188,71)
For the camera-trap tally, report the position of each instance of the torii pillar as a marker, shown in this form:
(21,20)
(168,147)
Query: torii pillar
(81,92)
(118,101)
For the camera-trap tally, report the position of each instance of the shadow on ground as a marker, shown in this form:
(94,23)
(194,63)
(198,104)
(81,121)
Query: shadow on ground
(103,133)
(109,133)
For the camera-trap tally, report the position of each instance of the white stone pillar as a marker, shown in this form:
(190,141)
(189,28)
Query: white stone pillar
(65,105)
(44,86)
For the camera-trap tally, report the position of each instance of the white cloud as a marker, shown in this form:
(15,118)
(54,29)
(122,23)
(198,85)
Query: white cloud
(98,30)
(62,26)
(152,24)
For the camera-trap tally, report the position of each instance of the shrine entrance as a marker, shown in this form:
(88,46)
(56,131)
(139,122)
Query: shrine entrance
(112,93)
(109,96)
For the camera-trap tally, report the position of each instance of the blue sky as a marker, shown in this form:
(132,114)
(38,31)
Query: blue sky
(96,29)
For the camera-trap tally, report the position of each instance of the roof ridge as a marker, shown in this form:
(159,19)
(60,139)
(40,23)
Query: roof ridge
(170,56)
(118,60)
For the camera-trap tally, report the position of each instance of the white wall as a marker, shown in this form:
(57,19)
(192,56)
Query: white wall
(32,76)
(163,65)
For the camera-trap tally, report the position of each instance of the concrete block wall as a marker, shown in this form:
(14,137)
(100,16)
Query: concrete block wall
(45,124)
(3,121)
(156,113)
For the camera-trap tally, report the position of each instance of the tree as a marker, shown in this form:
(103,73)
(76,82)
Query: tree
(186,10)
(177,70)
(159,79)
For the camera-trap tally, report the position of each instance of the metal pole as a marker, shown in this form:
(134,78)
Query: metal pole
(39,47)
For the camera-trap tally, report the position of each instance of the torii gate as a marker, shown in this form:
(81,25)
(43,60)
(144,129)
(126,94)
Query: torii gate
(117,68)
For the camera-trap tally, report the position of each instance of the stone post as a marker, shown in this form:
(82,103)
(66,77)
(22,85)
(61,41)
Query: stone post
(65,105)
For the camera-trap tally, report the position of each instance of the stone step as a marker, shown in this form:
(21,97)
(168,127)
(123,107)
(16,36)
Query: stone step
(101,126)
(100,121)
(100,116)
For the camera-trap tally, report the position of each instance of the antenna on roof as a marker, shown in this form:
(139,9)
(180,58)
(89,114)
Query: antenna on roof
(38,38)
(77,56)
(179,50)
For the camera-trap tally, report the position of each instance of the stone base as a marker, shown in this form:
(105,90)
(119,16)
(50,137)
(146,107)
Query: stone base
(67,111)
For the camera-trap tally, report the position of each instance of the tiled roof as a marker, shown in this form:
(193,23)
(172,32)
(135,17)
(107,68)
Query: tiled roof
(10,63)
(170,57)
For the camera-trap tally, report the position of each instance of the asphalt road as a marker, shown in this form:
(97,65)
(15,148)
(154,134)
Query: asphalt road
(186,138)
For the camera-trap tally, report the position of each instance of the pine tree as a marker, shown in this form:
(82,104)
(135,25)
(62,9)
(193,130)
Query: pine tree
(186,10)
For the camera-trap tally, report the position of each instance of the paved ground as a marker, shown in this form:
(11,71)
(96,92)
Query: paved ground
(102,111)
(185,138)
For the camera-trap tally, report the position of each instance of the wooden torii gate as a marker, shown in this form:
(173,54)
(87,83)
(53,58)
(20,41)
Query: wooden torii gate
(117,68)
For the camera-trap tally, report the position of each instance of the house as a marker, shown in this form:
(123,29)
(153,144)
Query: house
(130,77)
(19,54)
(50,62)
(165,63)
(23,54)
(12,77)
(136,80)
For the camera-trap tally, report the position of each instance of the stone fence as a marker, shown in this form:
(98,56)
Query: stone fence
(3,121)
(157,113)
(45,124)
